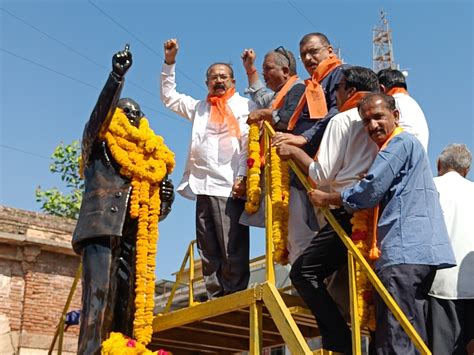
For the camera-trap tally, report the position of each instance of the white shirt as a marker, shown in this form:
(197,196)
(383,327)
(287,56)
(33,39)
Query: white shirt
(215,157)
(456,195)
(412,118)
(345,154)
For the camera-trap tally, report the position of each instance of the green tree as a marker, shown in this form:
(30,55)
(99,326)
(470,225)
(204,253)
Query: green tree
(66,163)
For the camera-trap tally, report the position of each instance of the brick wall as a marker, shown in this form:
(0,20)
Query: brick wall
(37,269)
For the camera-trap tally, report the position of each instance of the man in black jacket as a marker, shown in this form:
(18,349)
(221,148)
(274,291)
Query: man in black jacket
(105,234)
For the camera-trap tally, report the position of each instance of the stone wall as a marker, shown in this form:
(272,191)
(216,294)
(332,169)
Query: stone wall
(37,269)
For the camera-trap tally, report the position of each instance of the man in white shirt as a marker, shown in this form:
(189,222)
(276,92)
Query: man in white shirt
(345,154)
(215,171)
(452,301)
(412,119)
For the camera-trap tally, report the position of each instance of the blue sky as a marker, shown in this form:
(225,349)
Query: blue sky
(55,57)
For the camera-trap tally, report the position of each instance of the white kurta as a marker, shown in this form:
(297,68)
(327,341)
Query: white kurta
(412,118)
(215,157)
(456,195)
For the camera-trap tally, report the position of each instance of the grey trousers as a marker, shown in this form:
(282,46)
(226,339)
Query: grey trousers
(223,244)
(409,285)
(451,325)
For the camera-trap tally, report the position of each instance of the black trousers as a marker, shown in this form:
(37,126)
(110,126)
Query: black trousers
(451,325)
(223,244)
(409,285)
(108,288)
(325,254)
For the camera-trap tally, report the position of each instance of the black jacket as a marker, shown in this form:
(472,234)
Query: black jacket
(105,200)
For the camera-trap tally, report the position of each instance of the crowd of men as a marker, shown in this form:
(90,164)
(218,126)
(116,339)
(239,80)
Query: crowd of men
(362,140)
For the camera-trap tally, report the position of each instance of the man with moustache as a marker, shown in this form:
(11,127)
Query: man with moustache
(315,109)
(345,154)
(215,171)
(411,241)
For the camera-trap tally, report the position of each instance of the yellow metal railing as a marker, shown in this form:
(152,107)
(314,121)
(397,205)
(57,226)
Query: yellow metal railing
(270,269)
(189,256)
(60,328)
(354,255)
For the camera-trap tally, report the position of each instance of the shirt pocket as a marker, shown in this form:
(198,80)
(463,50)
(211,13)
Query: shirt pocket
(226,150)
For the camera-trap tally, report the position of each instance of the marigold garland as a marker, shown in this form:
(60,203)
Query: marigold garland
(120,344)
(144,159)
(253,170)
(280,198)
(361,236)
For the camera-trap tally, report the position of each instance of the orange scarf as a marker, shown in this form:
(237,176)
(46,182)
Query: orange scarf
(221,112)
(353,101)
(397,90)
(278,102)
(374,253)
(314,95)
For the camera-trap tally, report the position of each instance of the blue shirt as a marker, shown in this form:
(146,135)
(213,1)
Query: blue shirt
(411,227)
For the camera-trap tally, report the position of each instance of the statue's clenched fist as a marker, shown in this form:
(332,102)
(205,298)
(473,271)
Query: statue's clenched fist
(122,61)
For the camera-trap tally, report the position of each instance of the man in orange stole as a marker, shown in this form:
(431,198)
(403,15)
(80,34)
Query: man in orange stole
(284,88)
(307,124)
(215,171)
(411,241)
(345,154)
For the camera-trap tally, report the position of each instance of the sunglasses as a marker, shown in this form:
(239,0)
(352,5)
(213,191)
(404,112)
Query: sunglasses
(134,113)
(283,51)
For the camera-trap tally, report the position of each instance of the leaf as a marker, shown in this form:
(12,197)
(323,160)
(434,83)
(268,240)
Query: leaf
(66,163)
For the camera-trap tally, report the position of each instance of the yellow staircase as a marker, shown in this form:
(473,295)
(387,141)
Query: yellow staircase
(244,321)
(261,316)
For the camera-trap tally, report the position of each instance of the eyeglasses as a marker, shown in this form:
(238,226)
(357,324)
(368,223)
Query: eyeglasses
(223,77)
(134,113)
(283,51)
(313,52)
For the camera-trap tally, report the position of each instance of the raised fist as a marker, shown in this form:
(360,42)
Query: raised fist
(122,61)
(166,197)
(248,58)
(171,50)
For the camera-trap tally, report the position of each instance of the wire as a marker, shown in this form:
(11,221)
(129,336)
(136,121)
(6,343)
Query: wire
(47,68)
(65,45)
(301,13)
(80,81)
(52,38)
(24,151)
(139,40)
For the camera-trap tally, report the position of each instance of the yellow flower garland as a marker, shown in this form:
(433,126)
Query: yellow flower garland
(361,236)
(280,197)
(253,170)
(144,159)
(279,188)
(119,344)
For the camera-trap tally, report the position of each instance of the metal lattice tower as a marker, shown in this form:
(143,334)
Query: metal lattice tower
(382,56)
